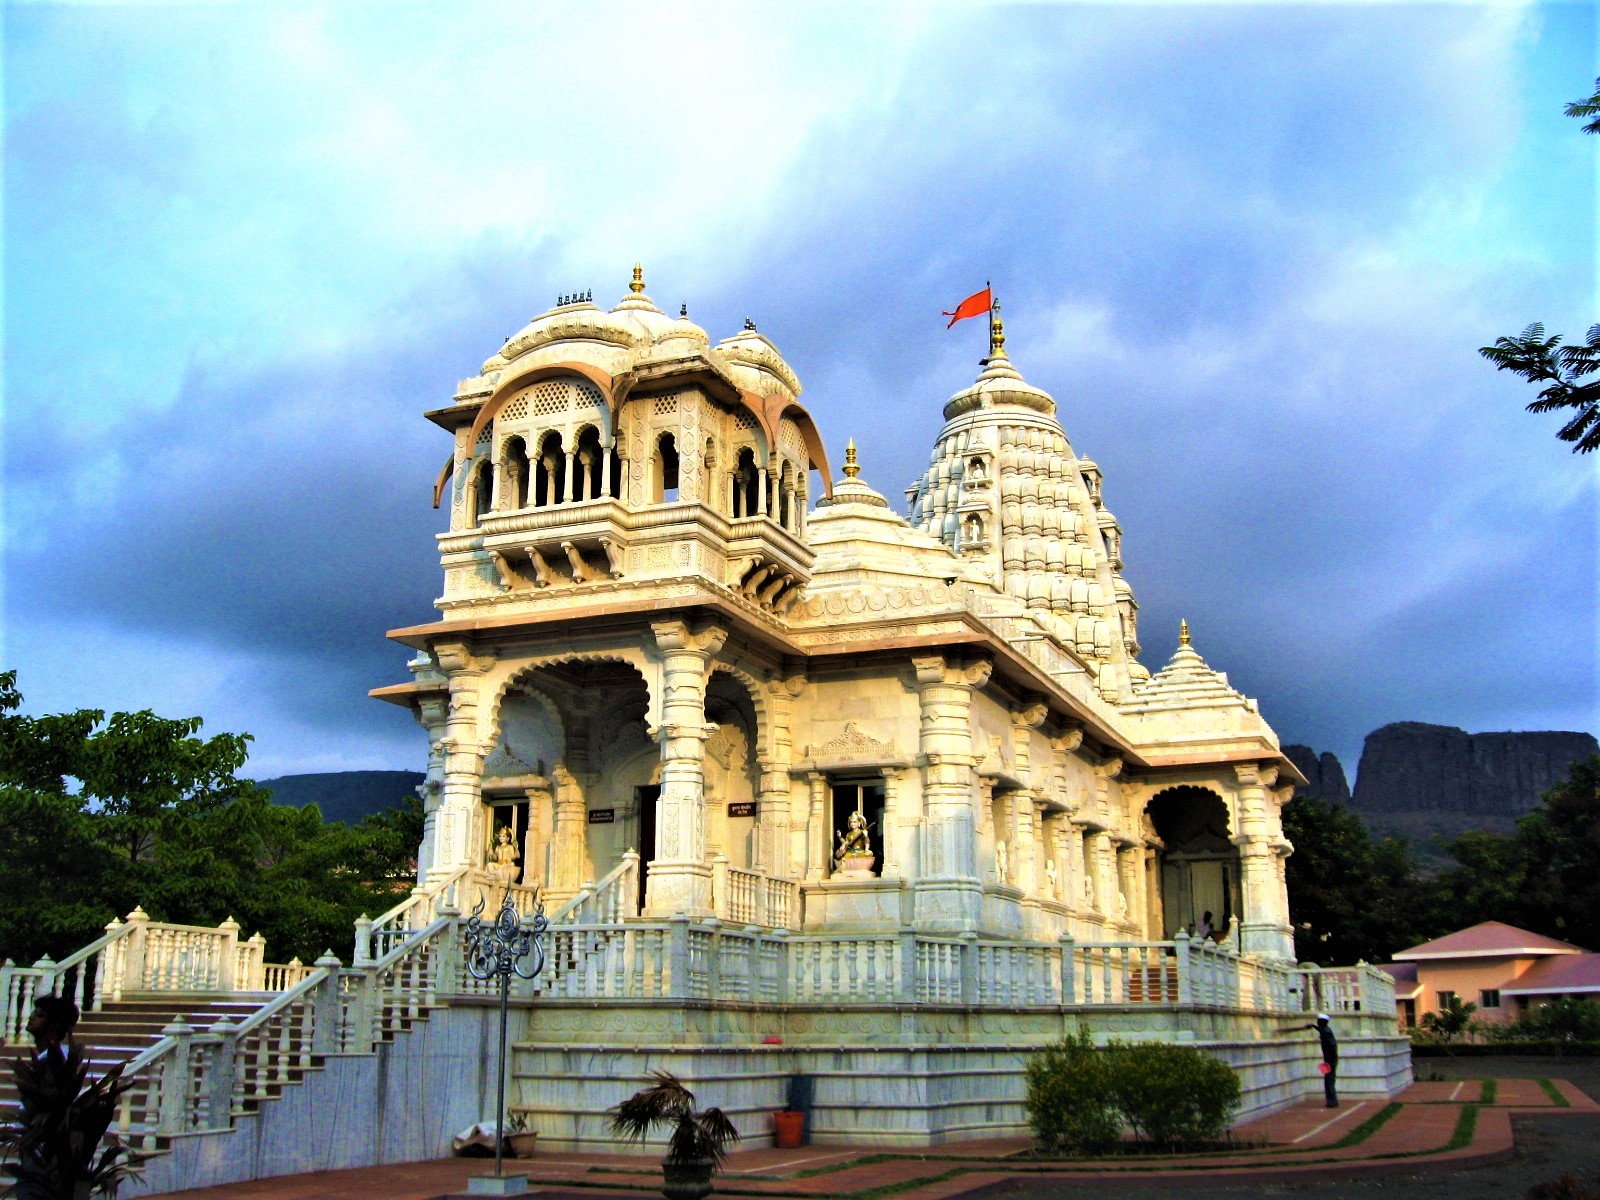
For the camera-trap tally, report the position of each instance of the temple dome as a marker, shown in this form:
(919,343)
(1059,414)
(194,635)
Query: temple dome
(1005,491)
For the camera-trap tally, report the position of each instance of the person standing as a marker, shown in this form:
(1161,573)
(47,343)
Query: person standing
(1330,1057)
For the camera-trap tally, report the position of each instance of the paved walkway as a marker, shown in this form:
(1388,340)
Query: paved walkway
(1438,1125)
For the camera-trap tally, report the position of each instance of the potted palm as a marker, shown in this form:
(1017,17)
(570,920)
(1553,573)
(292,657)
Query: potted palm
(697,1145)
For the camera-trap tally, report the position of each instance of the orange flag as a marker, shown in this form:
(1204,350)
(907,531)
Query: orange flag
(974,305)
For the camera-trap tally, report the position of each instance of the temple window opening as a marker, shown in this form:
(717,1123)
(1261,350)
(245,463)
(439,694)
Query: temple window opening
(480,491)
(664,471)
(746,484)
(588,483)
(550,472)
(514,483)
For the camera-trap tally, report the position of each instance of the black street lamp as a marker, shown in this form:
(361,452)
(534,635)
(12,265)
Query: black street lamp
(497,950)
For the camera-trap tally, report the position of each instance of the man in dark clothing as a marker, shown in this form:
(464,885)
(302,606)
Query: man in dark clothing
(52,1021)
(1330,1056)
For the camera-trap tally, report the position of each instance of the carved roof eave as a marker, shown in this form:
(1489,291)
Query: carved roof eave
(839,764)
(406,695)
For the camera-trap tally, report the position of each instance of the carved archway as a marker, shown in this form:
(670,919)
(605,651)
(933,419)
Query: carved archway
(1197,861)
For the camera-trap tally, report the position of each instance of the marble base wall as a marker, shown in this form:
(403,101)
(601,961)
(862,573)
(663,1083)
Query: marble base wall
(401,1104)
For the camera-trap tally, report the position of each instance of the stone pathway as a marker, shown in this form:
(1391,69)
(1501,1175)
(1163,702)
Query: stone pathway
(1430,1126)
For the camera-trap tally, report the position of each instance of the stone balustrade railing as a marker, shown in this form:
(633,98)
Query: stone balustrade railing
(615,897)
(1362,988)
(751,898)
(138,955)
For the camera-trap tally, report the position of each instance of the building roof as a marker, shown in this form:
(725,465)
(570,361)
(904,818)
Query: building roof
(1406,984)
(1564,974)
(1489,939)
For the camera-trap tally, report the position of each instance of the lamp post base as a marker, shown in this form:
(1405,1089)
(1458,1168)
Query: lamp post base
(497,1185)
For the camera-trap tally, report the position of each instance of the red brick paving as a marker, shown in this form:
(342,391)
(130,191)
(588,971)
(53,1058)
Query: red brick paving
(1297,1143)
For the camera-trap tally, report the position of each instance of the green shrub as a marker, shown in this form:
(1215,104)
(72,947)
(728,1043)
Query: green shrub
(1173,1093)
(1069,1098)
(1079,1098)
(1564,1019)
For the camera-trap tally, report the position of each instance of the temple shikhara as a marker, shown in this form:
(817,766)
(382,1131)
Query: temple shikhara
(808,782)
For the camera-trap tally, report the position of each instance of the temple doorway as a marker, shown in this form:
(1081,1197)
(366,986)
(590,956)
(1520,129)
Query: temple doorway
(1199,864)
(645,798)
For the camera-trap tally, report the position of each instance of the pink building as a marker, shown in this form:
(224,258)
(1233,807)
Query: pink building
(1498,967)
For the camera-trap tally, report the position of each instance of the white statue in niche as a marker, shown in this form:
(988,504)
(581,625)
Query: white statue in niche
(855,859)
(1052,879)
(1002,863)
(505,855)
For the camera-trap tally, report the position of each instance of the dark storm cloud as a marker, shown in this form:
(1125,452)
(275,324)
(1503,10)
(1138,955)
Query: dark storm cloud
(1209,230)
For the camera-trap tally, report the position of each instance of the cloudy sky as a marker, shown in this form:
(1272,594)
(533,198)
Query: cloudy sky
(1252,251)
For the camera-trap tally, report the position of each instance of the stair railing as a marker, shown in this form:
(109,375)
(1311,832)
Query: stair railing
(613,898)
(82,975)
(377,936)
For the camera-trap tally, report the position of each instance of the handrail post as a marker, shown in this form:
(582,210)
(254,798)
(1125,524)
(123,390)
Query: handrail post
(1180,954)
(362,955)
(780,940)
(719,886)
(678,956)
(968,950)
(134,966)
(256,976)
(221,1076)
(228,979)
(1069,988)
(714,960)
(110,953)
(325,1007)
(908,966)
(175,1074)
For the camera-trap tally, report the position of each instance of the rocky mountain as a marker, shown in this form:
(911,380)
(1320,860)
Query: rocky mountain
(1423,781)
(1325,772)
(344,796)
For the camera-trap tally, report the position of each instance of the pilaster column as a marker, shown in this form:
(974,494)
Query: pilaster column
(949,893)
(1264,922)
(458,827)
(680,878)
(541,834)
(432,713)
(817,847)
(774,819)
(568,861)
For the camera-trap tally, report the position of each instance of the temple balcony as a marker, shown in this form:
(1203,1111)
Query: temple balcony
(544,552)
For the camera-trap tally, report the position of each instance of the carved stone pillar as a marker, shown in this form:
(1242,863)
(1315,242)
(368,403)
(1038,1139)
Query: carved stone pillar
(605,471)
(536,849)
(432,713)
(459,838)
(568,857)
(1264,920)
(817,847)
(949,894)
(680,878)
(774,818)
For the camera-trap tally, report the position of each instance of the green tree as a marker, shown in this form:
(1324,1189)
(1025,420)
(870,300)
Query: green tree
(98,815)
(1452,1019)
(1564,370)
(1350,897)
(1560,845)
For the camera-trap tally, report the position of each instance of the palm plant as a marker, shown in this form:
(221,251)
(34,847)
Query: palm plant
(64,1119)
(699,1141)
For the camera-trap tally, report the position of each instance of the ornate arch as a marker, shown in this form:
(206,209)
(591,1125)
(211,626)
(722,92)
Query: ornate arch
(512,383)
(521,674)
(756,688)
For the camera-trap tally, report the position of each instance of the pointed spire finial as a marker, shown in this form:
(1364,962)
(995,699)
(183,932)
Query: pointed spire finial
(637,285)
(1183,632)
(851,467)
(997,332)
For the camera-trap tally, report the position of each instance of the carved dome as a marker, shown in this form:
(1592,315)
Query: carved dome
(1005,492)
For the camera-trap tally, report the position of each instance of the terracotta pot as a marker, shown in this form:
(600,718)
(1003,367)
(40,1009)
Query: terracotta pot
(522,1145)
(690,1180)
(788,1130)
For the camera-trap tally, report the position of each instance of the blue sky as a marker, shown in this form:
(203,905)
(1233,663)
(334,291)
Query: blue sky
(1252,251)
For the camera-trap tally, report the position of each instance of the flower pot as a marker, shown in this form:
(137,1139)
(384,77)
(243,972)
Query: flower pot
(689,1180)
(788,1130)
(522,1145)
